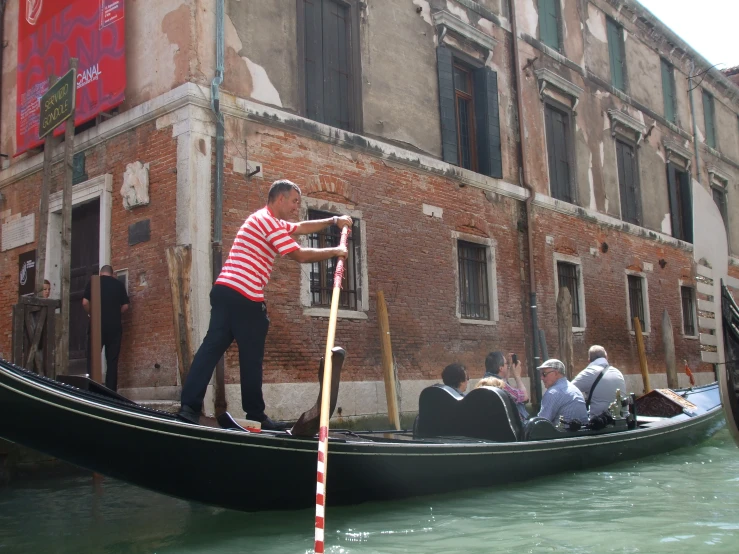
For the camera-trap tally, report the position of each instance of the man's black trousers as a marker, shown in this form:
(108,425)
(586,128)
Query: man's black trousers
(232,316)
(111,341)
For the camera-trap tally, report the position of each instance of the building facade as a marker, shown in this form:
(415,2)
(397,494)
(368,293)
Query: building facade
(404,115)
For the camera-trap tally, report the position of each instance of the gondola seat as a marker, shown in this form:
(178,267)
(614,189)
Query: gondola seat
(486,413)
(540,428)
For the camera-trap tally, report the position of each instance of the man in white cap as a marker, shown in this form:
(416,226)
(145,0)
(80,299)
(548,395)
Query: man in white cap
(562,397)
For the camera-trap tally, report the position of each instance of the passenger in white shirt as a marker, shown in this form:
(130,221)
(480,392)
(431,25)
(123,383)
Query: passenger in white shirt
(599,398)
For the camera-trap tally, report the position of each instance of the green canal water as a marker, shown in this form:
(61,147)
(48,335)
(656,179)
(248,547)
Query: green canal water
(686,501)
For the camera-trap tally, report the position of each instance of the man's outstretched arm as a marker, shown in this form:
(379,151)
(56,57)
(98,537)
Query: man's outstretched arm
(314,225)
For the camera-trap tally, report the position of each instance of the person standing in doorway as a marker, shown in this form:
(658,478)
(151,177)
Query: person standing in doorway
(237,303)
(114,303)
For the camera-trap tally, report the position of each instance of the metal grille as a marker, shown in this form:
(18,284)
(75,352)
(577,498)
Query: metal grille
(322,273)
(473,280)
(636,299)
(567,277)
(688,311)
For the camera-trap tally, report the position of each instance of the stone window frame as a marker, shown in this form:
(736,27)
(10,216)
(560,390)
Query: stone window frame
(100,187)
(491,246)
(577,261)
(645,299)
(306,302)
(560,26)
(548,101)
(682,283)
(719,180)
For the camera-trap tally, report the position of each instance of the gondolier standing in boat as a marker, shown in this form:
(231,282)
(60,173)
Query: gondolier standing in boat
(237,303)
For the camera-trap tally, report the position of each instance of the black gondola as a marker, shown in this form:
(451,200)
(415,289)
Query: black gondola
(729,371)
(275,470)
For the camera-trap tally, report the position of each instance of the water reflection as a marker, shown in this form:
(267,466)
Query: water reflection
(687,501)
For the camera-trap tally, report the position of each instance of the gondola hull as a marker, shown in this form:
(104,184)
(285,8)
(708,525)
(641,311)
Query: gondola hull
(265,471)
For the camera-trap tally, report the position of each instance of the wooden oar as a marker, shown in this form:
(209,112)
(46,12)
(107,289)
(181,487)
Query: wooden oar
(326,402)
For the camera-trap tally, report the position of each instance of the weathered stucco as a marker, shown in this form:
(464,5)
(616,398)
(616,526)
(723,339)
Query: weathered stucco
(261,51)
(161,56)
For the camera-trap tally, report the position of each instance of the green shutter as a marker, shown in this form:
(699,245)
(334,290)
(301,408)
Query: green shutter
(709,118)
(668,90)
(616,53)
(447,112)
(549,23)
(487,122)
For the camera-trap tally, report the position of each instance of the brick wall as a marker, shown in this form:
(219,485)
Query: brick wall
(148,338)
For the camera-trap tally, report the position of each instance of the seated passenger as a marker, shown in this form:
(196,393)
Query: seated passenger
(562,397)
(490,382)
(599,393)
(455,376)
(497,366)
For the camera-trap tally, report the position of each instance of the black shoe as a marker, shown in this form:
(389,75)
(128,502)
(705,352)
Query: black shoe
(189,415)
(271,425)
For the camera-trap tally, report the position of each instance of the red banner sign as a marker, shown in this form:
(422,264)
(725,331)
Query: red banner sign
(52,31)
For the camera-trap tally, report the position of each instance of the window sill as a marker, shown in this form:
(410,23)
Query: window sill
(476,321)
(578,330)
(326,312)
(633,333)
(690,337)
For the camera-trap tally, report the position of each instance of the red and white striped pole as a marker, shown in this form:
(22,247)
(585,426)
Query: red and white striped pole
(326,403)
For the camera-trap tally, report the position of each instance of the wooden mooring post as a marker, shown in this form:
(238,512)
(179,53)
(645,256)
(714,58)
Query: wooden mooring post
(668,340)
(388,367)
(67,228)
(642,355)
(564,325)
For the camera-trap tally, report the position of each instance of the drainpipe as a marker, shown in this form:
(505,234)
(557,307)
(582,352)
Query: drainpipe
(692,117)
(533,373)
(215,102)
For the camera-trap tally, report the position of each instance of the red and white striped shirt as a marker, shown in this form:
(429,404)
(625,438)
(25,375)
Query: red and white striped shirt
(249,263)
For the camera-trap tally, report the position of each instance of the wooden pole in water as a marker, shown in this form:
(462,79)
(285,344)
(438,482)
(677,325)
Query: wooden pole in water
(668,340)
(388,369)
(564,325)
(49,143)
(326,403)
(642,355)
(96,359)
(67,229)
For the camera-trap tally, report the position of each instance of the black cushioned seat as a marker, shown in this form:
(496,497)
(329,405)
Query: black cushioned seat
(485,413)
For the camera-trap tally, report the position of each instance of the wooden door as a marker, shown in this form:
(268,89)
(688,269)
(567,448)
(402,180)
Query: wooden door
(85,260)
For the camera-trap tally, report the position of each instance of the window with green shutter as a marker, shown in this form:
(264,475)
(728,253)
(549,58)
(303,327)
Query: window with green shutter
(616,55)
(709,117)
(549,23)
(668,90)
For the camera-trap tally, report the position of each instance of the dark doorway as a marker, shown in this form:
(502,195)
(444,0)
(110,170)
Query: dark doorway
(84,264)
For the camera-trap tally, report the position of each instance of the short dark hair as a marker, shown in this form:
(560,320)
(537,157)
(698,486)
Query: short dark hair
(47,282)
(493,362)
(454,375)
(280,187)
(106,269)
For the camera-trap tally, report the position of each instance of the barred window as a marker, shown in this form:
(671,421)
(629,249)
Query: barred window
(322,273)
(687,295)
(636,300)
(474,297)
(568,278)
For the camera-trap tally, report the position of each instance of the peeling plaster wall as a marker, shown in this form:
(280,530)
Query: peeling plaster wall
(261,51)
(160,48)
(596,43)
(400,84)
(10,58)
(644,75)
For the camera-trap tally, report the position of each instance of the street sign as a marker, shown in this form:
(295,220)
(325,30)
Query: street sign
(57,104)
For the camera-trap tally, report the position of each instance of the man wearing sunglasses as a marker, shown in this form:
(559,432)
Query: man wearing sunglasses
(562,398)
